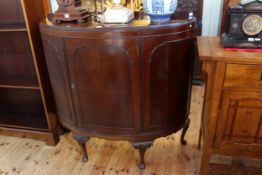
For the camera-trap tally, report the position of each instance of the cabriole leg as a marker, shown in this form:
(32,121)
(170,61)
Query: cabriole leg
(142,147)
(81,141)
(182,139)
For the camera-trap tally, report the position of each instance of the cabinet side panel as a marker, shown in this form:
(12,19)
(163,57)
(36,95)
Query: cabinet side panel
(246,124)
(57,70)
(240,121)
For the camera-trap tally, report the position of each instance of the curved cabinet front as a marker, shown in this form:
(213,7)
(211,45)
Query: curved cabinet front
(131,82)
(103,80)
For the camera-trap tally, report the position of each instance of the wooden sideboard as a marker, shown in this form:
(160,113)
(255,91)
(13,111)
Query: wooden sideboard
(126,82)
(232,115)
(26,103)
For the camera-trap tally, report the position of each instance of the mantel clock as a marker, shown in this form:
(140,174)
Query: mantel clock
(69,10)
(244,25)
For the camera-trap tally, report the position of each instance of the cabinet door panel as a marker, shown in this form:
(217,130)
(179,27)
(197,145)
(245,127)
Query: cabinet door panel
(103,76)
(240,121)
(246,124)
(166,71)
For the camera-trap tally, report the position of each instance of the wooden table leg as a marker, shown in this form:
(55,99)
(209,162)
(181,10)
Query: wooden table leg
(82,143)
(142,147)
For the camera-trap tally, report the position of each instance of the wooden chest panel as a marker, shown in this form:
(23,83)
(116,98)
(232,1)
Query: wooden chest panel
(240,121)
(243,76)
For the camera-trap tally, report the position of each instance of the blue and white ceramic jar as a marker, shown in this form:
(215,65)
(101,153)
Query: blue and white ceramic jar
(160,10)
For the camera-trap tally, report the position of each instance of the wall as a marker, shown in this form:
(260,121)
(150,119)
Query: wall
(54,5)
(212,12)
(211,16)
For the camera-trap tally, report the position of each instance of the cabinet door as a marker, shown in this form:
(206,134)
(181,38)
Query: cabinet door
(104,80)
(240,120)
(167,69)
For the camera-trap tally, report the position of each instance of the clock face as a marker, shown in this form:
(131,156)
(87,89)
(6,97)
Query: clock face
(252,25)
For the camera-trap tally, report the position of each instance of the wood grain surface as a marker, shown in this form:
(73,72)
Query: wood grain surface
(233,108)
(210,49)
(26,105)
(165,157)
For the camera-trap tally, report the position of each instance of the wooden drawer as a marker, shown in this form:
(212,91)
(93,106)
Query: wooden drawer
(243,76)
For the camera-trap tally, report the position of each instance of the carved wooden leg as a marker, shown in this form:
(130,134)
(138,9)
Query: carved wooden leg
(81,141)
(182,139)
(142,147)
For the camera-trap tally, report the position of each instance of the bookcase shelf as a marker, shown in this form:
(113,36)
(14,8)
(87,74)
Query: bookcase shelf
(19,27)
(19,86)
(22,108)
(20,121)
(26,105)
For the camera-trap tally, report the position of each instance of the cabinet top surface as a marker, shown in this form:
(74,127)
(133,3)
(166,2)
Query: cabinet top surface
(133,25)
(210,49)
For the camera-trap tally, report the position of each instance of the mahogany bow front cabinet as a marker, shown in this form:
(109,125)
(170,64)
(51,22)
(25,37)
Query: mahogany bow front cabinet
(126,82)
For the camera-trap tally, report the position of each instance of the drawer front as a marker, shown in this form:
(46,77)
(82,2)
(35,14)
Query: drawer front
(243,76)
